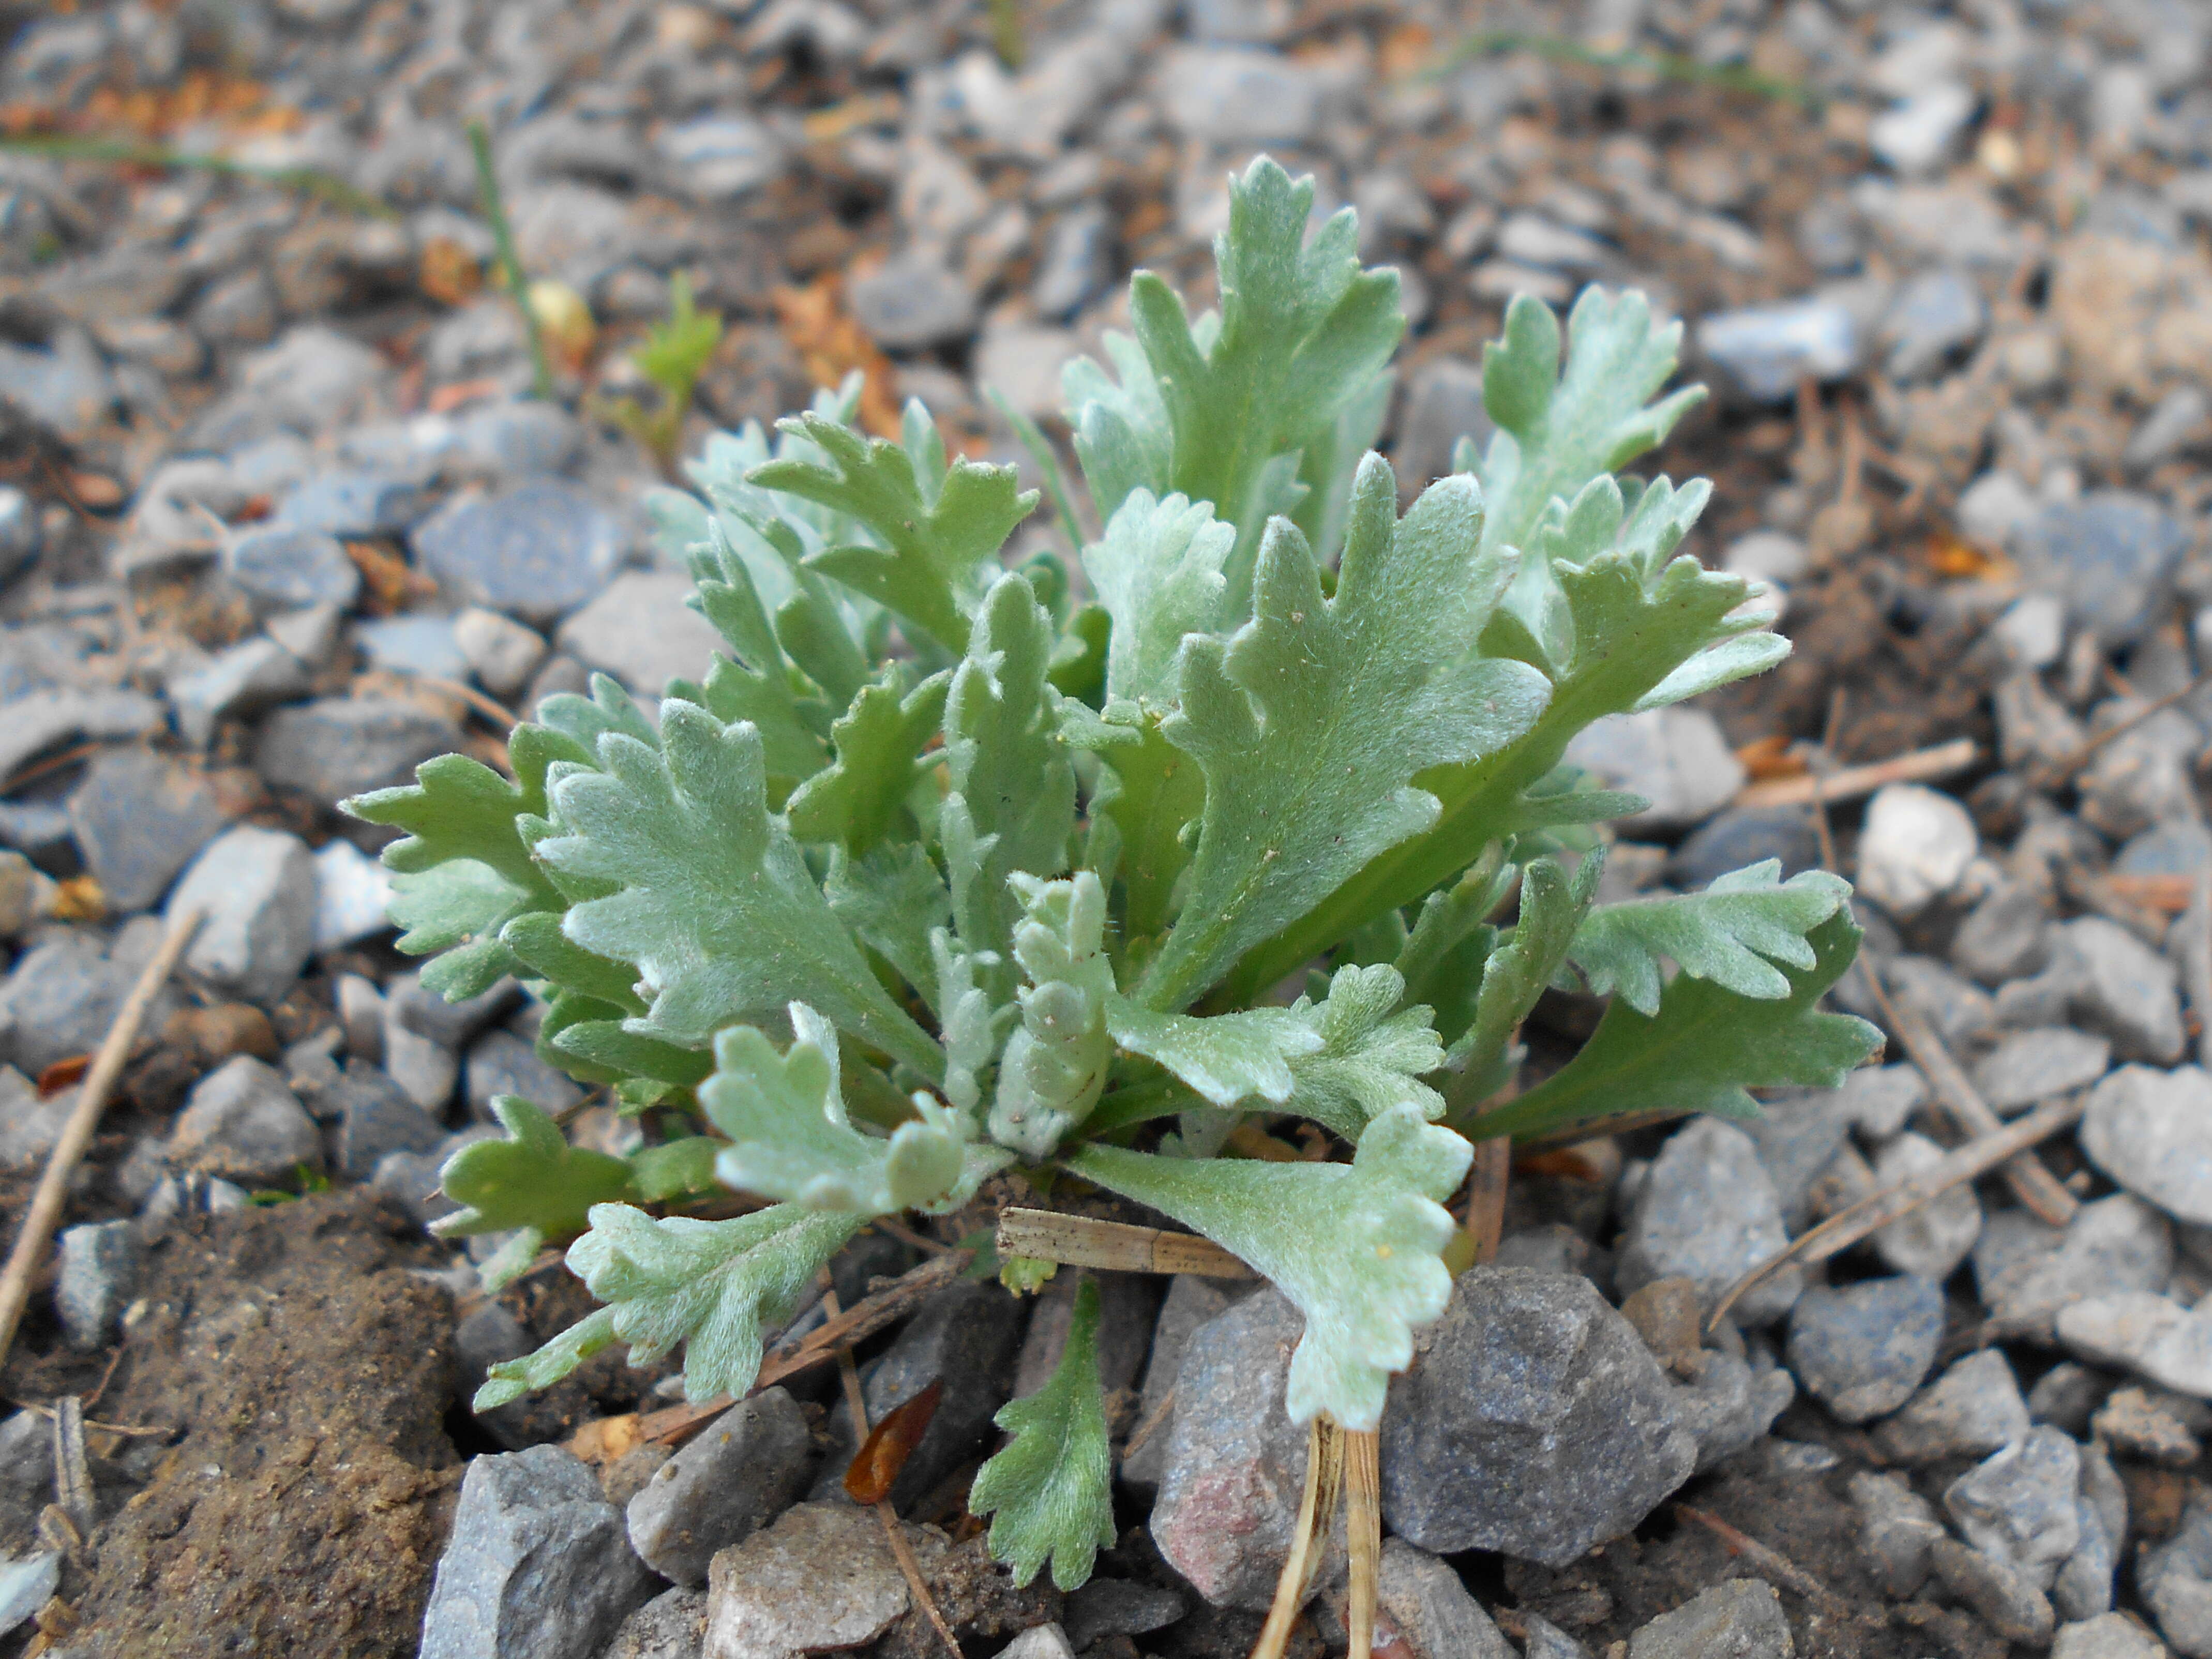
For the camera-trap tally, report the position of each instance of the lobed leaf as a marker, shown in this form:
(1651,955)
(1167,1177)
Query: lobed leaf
(714,905)
(1703,1048)
(1050,1490)
(712,1286)
(532,1182)
(1055,1064)
(1311,724)
(1356,1245)
(1733,934)
(1157,570)
(860,800)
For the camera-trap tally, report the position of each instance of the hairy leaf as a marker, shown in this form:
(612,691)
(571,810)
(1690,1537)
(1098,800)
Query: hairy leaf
(934,536)
(1703,1048)
(1372,1055)
(1524,963)
(1355,1246)
(791,1138)
(712,1286)
(1311,724)
(1733,934)
(1055,1064)
(893,899)
(532,1182)
(1051,1489)
(859,800)
(716,908)
(1149,791)
(1302,332)
(1157,571)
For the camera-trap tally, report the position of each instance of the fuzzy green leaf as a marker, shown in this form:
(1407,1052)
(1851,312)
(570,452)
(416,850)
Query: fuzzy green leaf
(1372,1055)
(1157,571)
(792,1140)
(716,907)
(533,1182)
(935,538)
(893,899)
(1228,1058)
(1148,792)
(1356,1245)
(1012,801)
(859,800)
(456,912)
(1311,724)
(1703,1048)
(1050,1490)
(1733,934)
(1055,1063)
(1302,332)
(1526,961)
(712,1286)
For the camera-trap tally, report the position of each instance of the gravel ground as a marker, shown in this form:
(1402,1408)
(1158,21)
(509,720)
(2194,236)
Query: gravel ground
(279,519)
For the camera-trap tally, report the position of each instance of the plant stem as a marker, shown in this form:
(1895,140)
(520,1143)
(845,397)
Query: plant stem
(510,264)
(1668,65)
(312,181)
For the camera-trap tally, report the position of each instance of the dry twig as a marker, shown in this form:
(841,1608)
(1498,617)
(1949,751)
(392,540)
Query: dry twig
(1316,1510)
(1878,1209)
(46,1212)
(1921,766)
(1077,1241)
(1769,1562)
(2032,1184)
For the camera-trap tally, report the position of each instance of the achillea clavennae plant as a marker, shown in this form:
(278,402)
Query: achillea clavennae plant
(943,871)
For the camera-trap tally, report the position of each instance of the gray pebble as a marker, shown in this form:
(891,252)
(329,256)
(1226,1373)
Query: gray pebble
(241,1123)
(255,889)
(739,1475)
(1863,1349)
(1740,1618)
(99,1276)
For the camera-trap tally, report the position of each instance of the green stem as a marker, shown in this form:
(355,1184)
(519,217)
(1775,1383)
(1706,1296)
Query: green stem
(510,262)
(1668,65)
(310,181)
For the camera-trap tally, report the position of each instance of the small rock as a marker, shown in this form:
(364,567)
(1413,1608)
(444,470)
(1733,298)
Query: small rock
(2027,1068)
(1727,1406)
(2027,1271)
(340,746)
(2017,1507)
(719,1489)
(284,569)
(426,1071)
(1546,1640)
(517,438)
(20,534)
(2083,1588)
(1766,350)
(2113,1636)
(1971,1410)
(2032,633)
(2152,1335)
(241,1123)
(1534,1422)
(2152,1133)
(256,889)
(41,720)
(1709,1213)
(1739,1619)
(1190,1302)
(1934,1238)
(311,635)
(537,1565)
(1665,1314)
(502,653)
(61,999)
(138,819)
(1879,1100)
(26,1475)
(1234,1463)
(26,895)
(1676,758)
(422,646)
(2007,1599)
(2176,1579)
(2180,420)
(1738,836)
(502,1063)
(1961,1011)
(1916,135)
(2143,779)
(1119,1606)
(241,679)
(2111,556)
(913,301)
(1072,266)
(99,1276)
(413,1007)
(27,1585)
(1934,315)
(723,156)
(821,1577)
(1797,1139)
(353,894)
(2066,1395)
(1431,1609)
(538,551)
(377,1118)
(352,502)
(1237,96)
(1022,362)
(1896,1527)
(1914,847)
(1039,1642)
(2136,1423)
(1862,1350)
(641,631)
(671,1626)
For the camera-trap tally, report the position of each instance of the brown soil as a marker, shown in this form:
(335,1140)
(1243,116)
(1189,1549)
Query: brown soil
(303,1508)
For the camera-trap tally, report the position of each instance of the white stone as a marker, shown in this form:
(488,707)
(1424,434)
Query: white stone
(257,888)
(1915,849)
(1767,555)
(500,651)
(2032,633)
(1917,134)
(352,893)
(2151,1130)
(2152,1335)
(641,631)
(1935,1237)
(1675,759)
(1022,363)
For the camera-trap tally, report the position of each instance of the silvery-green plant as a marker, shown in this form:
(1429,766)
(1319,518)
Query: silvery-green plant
(943,871)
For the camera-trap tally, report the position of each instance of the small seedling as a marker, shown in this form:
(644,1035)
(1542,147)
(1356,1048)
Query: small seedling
(675,354)
(943,875)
